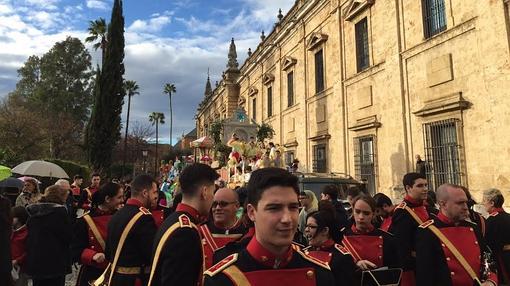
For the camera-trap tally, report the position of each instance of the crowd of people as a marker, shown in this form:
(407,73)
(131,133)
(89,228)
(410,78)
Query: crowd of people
(199,232)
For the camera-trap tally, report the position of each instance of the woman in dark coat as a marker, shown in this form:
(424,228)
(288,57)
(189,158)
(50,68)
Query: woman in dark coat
(88,246)
(5,242)
(49,235)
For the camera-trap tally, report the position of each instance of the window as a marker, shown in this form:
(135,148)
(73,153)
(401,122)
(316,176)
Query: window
(319,158)
(270,101)
(442,152)
(434,18)
(362,53)
(319,72)
(254,109)
(289,157)
(364,161)
(290,89)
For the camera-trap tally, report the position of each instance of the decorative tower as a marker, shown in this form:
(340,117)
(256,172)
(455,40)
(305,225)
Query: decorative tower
(208,89)
(231,75)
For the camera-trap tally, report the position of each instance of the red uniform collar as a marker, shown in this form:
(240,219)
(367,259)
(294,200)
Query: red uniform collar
(497,211)
(181,207)
(266,258)
(250,233)
(357,231)
(236,224)
(328,244)
(413,201)
(444,218)
(134,202)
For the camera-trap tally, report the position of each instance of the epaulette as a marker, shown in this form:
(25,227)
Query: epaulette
(298,245)
(220,266)
(342,249)
(427,223)
(387,232)
(184,221)
(314,260)
(343,229)
(145,211)
(494,214)
(84,214)
(305,249)
(402,205)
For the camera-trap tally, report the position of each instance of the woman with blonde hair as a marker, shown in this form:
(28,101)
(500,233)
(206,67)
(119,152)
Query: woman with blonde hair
(30,193)
(309,204)
(49,235)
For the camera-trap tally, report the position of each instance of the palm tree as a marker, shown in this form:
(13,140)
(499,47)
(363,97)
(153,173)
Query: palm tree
(131,89)
(169,89)
(98,30)
(156,118)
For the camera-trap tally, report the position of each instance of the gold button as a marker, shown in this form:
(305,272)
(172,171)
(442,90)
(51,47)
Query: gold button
(380,237)
(476,242)
(470,229)
(380,245)
(452,273)
(380,257)
(204,242)
(442,244)
(309,274)
(448,258)
(264,258)
(92,237)
(92,247)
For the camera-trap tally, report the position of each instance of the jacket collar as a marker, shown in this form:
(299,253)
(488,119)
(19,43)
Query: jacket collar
(265,257)
(444,218)
(414,202)
(357,231)
(134,202)
(181,207)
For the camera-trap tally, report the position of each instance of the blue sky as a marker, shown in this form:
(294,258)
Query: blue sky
(166,41)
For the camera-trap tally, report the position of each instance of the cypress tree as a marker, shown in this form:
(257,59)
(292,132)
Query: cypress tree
(104,127)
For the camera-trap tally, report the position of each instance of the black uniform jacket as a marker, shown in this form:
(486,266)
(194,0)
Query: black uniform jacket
(498,239)
(435,263)
(180,261)
(258,267)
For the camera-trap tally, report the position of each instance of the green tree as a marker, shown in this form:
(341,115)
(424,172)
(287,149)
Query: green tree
(169,89)
(131,89)
(97,30)
(104,126)
(156,118)
(264,131)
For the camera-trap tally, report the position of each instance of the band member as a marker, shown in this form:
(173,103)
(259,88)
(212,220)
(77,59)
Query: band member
(405,221)
(270,258)
(384,210)
(370,247)
(451,250)
(90,190)
(178,253)
(498,232)
(135,256)
(323,234)
(88,247)
(224,226)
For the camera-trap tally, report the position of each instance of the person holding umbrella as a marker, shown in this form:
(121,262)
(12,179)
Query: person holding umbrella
(29,194)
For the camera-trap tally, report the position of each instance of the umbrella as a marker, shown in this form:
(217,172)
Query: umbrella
(11,183)
(41,169)
(24,178)
(203,142)
(5,172)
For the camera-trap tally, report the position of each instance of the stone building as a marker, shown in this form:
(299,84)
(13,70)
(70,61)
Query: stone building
(362,86)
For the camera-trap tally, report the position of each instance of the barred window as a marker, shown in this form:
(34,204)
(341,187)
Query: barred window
(362,52)
(290,89)
(365,161)
(254,109)
(442,152)
(270,101)
(319,158)
(319,71)
(289,157)
(434,18)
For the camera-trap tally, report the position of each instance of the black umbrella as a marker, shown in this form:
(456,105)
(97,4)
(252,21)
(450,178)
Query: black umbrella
(11,183)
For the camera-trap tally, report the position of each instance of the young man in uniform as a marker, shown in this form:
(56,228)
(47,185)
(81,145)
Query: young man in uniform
(405,221)
(224,226)
(450,250)
(178,253)
(135,258)
(90,190)
(270,257)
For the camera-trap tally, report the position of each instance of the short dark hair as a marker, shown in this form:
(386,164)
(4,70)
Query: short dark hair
(20,213)
(326,217)
(194,176)
(381,200)
(263,179)
(367,199)
(353,191)
(410,178)
(76,177)
(140,183)
(331,191)
(95,175)
(106,190)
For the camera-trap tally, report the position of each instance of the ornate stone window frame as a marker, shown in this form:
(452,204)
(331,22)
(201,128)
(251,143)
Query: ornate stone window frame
(288,62)
(316,39)
(267,78)
(252,91)
(355,7)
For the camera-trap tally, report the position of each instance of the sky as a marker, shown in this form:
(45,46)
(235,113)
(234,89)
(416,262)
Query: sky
(167,41)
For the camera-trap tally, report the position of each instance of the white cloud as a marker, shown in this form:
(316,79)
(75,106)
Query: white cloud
(44,19)
(5,9)
(152,25)
(98,4)
(43,4)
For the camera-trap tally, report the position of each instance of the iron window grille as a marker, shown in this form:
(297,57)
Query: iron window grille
(270,101)
(442,152)
(434,17)
(319,158)
(362,51)
(319,71)
(365,161)
(290,89)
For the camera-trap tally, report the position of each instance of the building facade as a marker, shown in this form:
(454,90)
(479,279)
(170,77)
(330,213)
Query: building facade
(362,86)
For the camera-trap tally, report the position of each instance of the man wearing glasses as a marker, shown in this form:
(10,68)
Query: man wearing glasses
(224,226)
(407,217)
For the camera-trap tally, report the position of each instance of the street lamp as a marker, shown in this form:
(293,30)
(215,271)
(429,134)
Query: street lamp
(144,153)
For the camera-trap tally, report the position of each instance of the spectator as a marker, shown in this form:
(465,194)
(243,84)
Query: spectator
(330,193)
(384,210)
(5,245)
(309,204)
(49,235)
(29,194)
(18,244)
(421,166)
(64,184)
